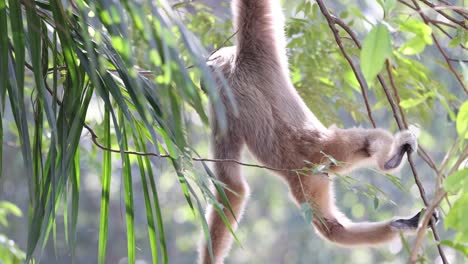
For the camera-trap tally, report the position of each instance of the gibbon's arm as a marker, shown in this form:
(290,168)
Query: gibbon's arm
(358,147)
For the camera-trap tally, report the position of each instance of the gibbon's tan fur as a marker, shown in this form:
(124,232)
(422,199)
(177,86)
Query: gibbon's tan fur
(280,131)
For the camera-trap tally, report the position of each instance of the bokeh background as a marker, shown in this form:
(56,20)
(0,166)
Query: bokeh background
(273,229)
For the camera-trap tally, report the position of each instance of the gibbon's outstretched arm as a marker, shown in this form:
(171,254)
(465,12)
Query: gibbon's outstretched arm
(273,122)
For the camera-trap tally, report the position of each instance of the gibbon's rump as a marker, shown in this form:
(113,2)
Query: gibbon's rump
(273,122)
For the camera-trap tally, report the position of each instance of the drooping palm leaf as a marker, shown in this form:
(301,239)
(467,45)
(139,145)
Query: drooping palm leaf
(79,50)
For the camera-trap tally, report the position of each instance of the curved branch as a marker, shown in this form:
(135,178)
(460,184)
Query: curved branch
(362,83)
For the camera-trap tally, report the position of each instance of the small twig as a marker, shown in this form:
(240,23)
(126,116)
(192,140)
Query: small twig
(463,14)
(217,49)
(460,60)
(439,9)
(331,23)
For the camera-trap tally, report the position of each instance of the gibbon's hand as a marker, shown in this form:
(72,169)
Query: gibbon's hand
(406,142)
(413,222)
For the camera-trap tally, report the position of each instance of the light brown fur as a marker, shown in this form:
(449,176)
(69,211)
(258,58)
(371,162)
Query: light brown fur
(277,127)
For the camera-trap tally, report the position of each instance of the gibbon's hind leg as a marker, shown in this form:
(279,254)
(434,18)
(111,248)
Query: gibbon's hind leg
(330,223)
(236,189)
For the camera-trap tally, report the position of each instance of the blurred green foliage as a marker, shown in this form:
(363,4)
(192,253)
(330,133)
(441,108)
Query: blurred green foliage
(9,251)
(131,71)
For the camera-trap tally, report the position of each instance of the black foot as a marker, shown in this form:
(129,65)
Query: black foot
(412,223)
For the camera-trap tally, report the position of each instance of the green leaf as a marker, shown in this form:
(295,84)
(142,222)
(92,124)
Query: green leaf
(10,208)
(418,28)
(412,46)
(458,246)
(75,202)
(456,219)
(461,37)
(422,36)
(159,221)
(457,181)
(128,195)
(376,202)
(106,181)
(389,5)
(4,50)
(412,102)
(149,209)
(307,212)
(462,121)
(376,48)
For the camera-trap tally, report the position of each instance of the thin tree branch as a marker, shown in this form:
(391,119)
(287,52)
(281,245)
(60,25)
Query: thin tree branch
(395,92)
(452,59)
(463,14)
(449,64)
(139,153)
(331,23)
(438,22)
(439,9)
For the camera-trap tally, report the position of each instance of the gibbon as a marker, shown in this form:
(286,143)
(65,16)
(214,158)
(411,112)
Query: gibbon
(281,132)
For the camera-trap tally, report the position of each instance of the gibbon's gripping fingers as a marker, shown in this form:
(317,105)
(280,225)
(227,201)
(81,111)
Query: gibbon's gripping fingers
(406,142)
(413,222)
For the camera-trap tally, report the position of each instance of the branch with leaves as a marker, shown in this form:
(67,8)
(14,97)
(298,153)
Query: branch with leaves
(397,110)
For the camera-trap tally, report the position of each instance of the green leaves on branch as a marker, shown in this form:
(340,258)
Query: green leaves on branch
(376,48)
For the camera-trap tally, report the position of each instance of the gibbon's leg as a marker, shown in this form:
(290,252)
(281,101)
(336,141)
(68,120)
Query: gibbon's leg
(236,191)
(330,223)
(358,147)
